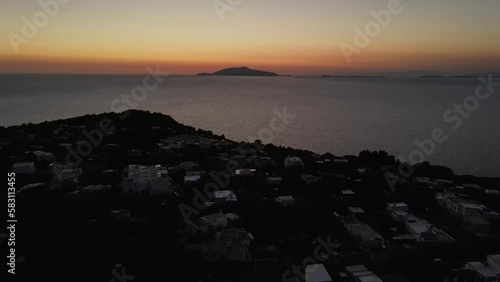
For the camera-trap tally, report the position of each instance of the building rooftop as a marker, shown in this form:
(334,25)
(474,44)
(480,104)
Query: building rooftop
(143,174)
(355,268)
(396,205)
(356,210)
(485,270)
(225,194)
(234,235)
(245,171)
(285,198)
(472,205)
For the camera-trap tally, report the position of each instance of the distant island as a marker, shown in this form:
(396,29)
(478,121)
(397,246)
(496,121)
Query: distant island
(496,75)
(242,71)
(431,76)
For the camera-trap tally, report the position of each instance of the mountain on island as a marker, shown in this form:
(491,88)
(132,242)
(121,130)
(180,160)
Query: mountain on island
(242,71)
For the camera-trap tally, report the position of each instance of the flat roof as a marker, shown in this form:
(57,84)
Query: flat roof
(356,209)
(355,268)
(370,278)
(227,194)
(401,204)
(192,177)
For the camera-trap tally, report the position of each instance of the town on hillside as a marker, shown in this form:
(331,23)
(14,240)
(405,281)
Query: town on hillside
(144,198)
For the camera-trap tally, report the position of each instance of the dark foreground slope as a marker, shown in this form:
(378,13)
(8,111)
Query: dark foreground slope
(83,229)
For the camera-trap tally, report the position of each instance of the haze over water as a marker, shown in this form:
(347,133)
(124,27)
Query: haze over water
(337,115)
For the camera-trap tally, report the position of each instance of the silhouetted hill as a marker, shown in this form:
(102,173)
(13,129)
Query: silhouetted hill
(243,71)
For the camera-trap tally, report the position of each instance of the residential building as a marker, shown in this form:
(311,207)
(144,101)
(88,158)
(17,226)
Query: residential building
(399,212)
(425,232)
(348,196)
(309,179)
(263,162)
(192,179)
(43,156)
(213,222)
(397,207)
(225,196)
(65,174)
(355,211)
(487,272)
(231,245)
(153,179)
(274,180)
(247,172)
(362,232)
(285,200)
(359,273)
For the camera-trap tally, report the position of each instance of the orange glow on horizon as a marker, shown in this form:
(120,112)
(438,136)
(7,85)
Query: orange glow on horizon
(287,37)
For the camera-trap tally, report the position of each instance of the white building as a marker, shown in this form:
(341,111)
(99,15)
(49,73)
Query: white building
(399,212)
(192,179)
(153,179)
(245,172)
(397,207)
(224,196)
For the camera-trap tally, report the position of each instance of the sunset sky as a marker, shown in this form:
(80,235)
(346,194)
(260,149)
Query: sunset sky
(285,36)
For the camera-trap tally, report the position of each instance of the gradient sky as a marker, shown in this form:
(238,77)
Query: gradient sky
(285,36)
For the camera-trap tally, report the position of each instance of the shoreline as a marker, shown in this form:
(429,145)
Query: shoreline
(110,114)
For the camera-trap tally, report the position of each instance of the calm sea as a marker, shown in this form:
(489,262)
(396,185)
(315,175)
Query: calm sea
(338,115)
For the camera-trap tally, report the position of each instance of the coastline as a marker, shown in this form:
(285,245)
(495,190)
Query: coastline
(80,120)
